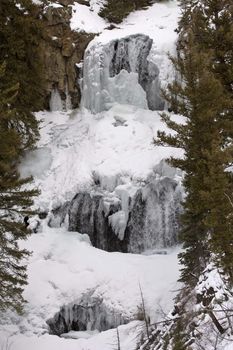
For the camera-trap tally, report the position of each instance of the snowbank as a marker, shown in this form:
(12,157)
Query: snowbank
(64,266)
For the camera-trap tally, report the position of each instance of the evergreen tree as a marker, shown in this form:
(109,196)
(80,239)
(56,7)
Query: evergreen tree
(207,220)
(20,32)
(21,85)
(116,11)
(211,22)
(14,202)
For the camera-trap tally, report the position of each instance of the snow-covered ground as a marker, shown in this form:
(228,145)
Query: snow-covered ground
(86,17)
(64,266)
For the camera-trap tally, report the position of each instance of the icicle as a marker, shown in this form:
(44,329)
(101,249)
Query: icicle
(55,103)
(68,103)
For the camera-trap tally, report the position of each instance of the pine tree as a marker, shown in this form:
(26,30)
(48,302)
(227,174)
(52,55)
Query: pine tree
(20,32)
(14,203)
(116,11)
(207,219)
(211,22)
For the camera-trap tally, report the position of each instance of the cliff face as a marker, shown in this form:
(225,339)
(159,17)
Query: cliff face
(62,50)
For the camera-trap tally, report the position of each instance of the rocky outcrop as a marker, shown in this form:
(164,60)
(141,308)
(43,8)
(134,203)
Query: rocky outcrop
(62,50)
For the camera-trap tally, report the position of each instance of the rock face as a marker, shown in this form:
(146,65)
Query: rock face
(61,50)
(122,72)
(144,221)
(88,314)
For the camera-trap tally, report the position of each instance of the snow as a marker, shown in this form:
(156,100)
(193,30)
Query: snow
(158,22)
(212,283)
(37,2)
(77,148)
(51,4)
(104,341)
(85,18)
(79,334)
(64,266)
(229,346)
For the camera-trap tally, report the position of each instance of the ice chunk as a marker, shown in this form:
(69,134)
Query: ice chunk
(118,221)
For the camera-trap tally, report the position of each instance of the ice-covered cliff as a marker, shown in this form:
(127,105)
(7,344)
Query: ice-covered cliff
(132,218)
(121,71)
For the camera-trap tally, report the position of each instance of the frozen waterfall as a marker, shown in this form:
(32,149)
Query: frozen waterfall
(127,216)
(120,71)
(57,103)
(129,219)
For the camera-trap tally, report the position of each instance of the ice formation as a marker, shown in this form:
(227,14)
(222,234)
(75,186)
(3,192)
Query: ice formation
(138,218)
(88,214)
(120,71)
(56,103)
(90,314)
